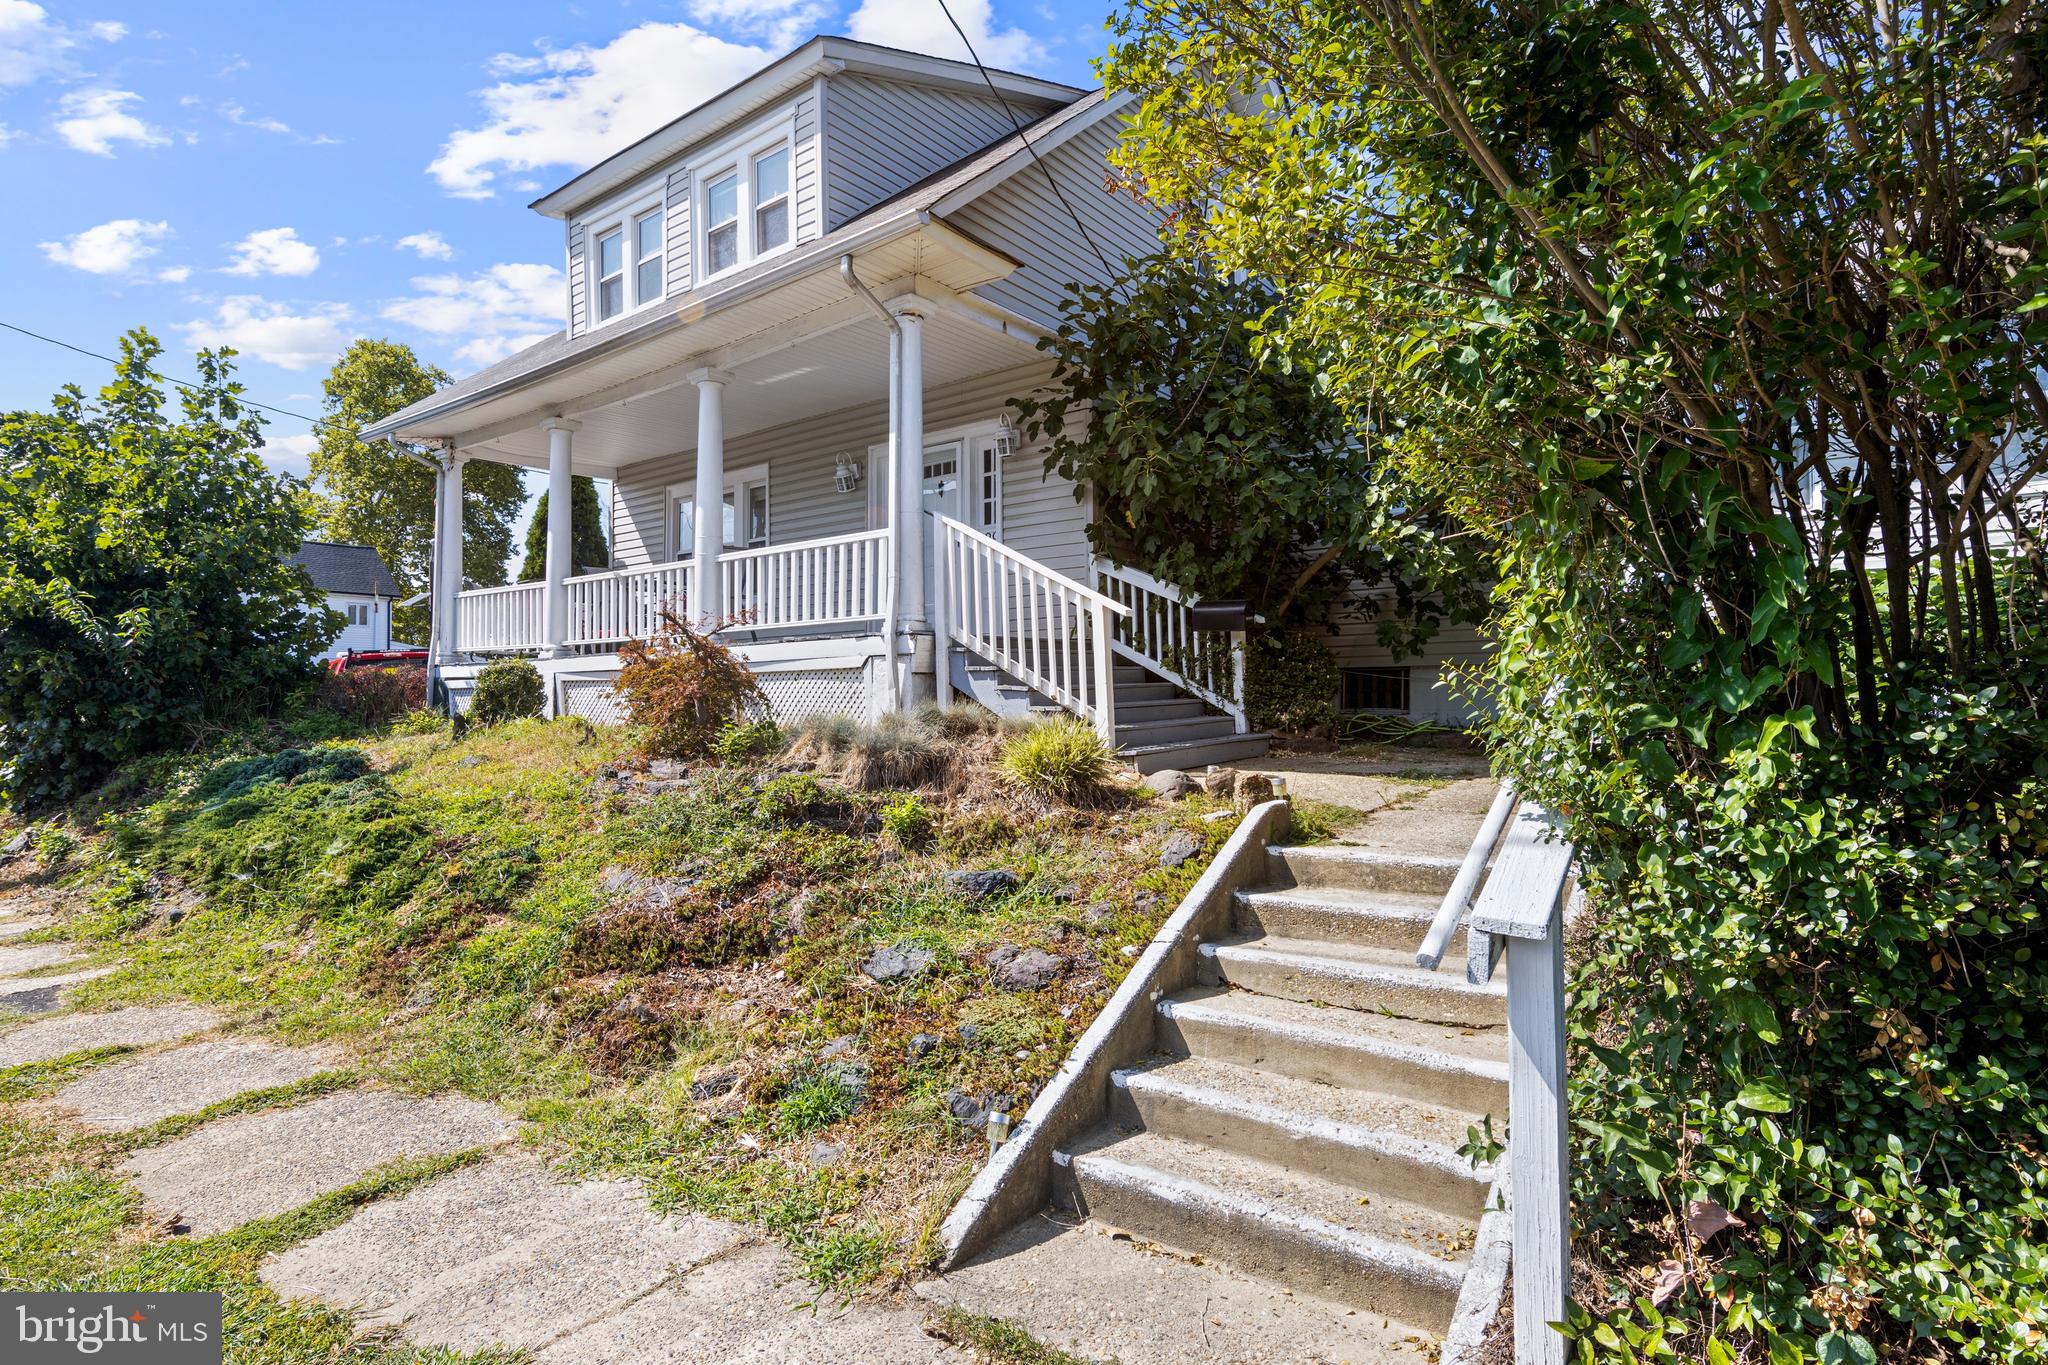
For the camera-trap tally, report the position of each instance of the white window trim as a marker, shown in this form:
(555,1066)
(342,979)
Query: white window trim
(620,215)
(687,488)
(739,153)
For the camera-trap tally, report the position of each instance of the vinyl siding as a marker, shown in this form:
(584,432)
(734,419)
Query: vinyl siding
(807,158)
(1025,220)
(374,634)
(1357,645)
(675,224)
(883,136)
(577,321)
(1040,516)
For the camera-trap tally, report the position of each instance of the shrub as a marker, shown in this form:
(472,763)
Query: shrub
(1061,758)
(908,820)
(507,689)
(374,696)
(682,688)
(1290,682)
(146,593)
(424,721)
(739,740)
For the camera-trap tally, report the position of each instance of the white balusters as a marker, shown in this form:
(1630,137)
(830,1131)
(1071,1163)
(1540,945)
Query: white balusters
(1159,633)
(811,583)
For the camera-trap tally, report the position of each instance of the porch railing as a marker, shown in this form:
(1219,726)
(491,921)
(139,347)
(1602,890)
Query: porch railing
(626,604)
(1044,629)
(1158,632)
(810,583)
(493,620)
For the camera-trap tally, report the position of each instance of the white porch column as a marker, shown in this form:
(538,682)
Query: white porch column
(710,497)
(561,506)
(909,475)
(448,557)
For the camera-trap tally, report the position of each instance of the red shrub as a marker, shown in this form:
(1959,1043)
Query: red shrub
(375,696)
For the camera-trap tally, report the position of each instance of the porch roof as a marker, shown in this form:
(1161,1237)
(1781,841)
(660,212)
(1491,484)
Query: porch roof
(900,240)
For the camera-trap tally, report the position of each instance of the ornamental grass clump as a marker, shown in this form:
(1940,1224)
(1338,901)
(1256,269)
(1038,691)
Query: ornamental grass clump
(683,689)
(1063,759)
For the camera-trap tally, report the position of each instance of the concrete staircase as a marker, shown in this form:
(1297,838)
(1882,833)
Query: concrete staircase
(1301,1119)
(1158,725)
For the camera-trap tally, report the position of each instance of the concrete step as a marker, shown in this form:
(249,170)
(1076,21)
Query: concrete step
(1194,755)
(1463,1069)
(1144,733)
(1146,712)
(1309,1234)
(1382,919)
(1372,1142)
(1354,977)
(1348,868)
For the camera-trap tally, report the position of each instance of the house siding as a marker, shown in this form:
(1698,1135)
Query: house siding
(1025,220)
(807,155)
(578,324)
(374,634)
(1455,645)
(1040,516)
(883,136)
(675,224)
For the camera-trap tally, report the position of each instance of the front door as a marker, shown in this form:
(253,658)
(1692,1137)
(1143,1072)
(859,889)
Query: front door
(941,499)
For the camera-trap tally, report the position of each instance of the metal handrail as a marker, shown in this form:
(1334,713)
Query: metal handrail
(1465,885)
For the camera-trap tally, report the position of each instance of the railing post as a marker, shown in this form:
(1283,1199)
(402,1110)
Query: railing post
(1240,714)
(1105,678)
(942,610)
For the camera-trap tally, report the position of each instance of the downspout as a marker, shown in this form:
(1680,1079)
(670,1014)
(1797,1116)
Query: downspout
(899,688)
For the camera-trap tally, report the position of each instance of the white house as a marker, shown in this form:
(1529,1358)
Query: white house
(358,586)
(814,293)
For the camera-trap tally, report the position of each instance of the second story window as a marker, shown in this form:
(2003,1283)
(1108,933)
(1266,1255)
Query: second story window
(628,246)
(744,202)
(611,276)
(647,280)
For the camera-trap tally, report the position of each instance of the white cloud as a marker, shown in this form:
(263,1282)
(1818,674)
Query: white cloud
(7,135)
(782,24)
(580,104)
(498,311)
(112,248)
(235,113)
(274,251)
(110,30)
(175,274)
(273,333)
(31,46)
(288,454)
(94,120)
(430,246)
(920,26)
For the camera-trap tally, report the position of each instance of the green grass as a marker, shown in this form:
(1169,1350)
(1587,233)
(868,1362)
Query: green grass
(999,1339)
(248,1102)
(436,907)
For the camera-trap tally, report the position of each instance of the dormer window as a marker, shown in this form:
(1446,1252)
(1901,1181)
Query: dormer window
(743,199)
(626,254)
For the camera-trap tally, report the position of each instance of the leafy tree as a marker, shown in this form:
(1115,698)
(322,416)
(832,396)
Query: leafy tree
(1723,325)
(1221,464)
(383,497)
(586,533)
(145,588)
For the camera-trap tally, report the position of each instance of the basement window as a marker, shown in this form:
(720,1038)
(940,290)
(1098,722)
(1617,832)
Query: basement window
(1375,689)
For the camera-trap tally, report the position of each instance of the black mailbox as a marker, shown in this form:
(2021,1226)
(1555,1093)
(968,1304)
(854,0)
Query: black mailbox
(1232,616)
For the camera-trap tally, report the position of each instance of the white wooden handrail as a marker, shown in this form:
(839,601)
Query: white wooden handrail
(626,604)
(810,583)
(498,619)
(1459,897)
(1158,632)
(1520,913)
(1044,629)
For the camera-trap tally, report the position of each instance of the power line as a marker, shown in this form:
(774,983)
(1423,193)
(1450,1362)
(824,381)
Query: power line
(180,383)
(1018,127)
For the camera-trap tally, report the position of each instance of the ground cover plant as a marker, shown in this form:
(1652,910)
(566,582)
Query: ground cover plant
(768,994)
(1722,326)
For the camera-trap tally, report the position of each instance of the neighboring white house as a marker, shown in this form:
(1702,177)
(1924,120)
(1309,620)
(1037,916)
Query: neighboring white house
(358,586)
(805,303)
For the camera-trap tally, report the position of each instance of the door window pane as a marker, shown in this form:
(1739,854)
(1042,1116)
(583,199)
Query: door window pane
(757,514)
(686,527)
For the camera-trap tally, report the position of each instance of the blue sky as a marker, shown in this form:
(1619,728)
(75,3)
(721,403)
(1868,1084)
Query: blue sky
(284,178)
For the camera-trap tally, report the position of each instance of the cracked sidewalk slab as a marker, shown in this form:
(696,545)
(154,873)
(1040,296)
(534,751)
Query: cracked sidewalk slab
(46,1040)
(138,1091)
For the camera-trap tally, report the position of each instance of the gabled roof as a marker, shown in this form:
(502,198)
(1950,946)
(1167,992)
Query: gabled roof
(354,569)
(823,55)
(942,192)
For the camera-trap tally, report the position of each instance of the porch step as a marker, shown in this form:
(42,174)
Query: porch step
(1175,730)
(1359,978)
(1194,755)
(1396,920)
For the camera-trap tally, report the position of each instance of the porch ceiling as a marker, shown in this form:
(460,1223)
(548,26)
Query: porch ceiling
(842,367)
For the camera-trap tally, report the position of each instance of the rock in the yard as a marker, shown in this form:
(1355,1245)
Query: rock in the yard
(1251,789)
(896,963)
(667,769)
(824,1154)
(921,1046)
(967,1108)
(1179,847)
(14,847)
(1145,902)
(1099,915)
(713,1082)
(1169,782)
(1218,781)
(981,886)
(470,761)
(1031,970)
(1066,894)
(842,1046)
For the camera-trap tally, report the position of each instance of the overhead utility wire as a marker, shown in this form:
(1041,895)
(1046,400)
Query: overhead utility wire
(180,383)
(1017,125)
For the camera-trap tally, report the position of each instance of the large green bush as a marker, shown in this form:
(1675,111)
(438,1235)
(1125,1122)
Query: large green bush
(145,589)
(506,689)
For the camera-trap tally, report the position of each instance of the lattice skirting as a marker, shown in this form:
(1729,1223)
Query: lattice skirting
(797,694)
(592,697)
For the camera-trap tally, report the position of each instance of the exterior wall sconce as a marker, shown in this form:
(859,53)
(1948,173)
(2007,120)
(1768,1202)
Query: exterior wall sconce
(845,474)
